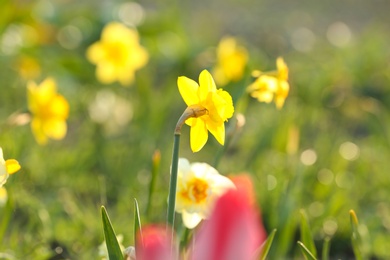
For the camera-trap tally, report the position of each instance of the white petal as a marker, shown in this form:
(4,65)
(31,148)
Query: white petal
(191,220)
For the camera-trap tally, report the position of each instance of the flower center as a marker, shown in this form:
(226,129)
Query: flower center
(197,190)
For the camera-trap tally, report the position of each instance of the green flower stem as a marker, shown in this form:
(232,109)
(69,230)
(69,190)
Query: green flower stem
(173,181)
(191,111)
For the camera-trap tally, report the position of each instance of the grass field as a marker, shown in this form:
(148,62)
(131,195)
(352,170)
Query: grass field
(325,152)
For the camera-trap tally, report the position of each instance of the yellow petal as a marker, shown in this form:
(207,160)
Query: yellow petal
(206,85)
(37,129)
(224,104)
(198,135)
(188,89)
(106,73)
(59,107)
(41,95)
(55,128)
(3,196)
(12,166)
(282,69)
(217,130)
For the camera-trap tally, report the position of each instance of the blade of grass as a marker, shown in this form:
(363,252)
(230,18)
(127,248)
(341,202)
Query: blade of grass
(326,248)
(5,214)
(306,236)
(264,249)
(137,226)
(156,159)
(113,248)
(306,253)
(355,236)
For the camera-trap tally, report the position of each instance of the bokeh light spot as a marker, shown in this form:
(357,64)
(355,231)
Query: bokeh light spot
(339,34)
(349,151)
(308,157)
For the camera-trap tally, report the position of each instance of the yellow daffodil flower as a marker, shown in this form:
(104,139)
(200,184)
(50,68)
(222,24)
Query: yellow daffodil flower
(7,167)
(198,187)
(231,61)
(117,55)
(272,86)
(212,108)
(49,111)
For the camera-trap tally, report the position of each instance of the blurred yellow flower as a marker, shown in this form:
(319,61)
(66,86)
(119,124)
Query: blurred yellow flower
(272,85)
(49,111)
(212,108)
(198,187)
(117,55)
(231,61)
(7,167)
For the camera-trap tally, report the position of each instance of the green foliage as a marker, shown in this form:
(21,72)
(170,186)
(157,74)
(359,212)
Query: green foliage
(113,248)
(338,108)
(267,245)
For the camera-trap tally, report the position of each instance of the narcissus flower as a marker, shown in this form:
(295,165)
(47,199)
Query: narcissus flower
(231,61)
(117,55)
(198,187)
(7,167)
(49,111)
(212,108)
(271,85)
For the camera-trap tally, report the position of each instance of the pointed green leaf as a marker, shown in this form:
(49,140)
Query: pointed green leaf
(355,237)
(306,236)
(155,170)
(267,245)
(137,225)
(326,248)
(306,253)
(113,248)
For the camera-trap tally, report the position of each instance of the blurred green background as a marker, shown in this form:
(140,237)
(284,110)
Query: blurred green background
(327,151)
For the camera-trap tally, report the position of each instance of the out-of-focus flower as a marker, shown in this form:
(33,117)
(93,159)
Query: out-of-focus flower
(213,107)
(49,111)
(231,61)
(7,167)
(155,244)
(117,55)
(271,85)
(110,110)
(243,182)
(103,253)
(28,67)
(198,187)
(234,230)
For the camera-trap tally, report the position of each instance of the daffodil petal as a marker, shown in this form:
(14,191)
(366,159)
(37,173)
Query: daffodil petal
(106,73)
(206,84)
(12,166)
(218,131)
(191,220)
(3,196)
(55,128)
(188,89)
(198,135)
(37,129)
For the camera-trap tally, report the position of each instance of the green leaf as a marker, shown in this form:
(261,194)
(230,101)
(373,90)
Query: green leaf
(306,235)
(155,170)
(5,216)
(326,248)
(113,248)
(137,225)
(355,237)
(264,249)
(306,252)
